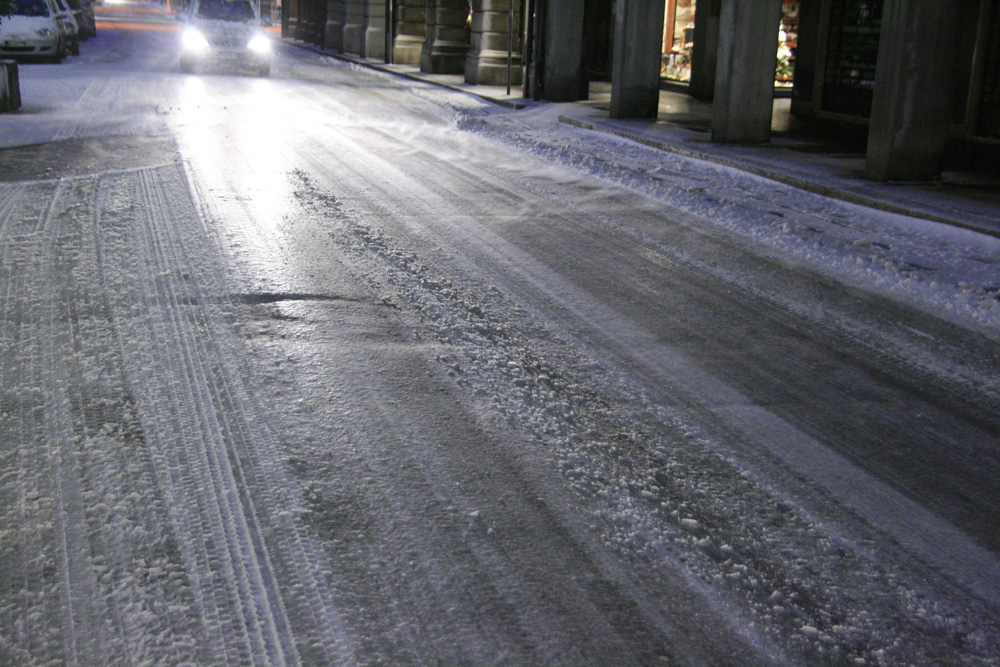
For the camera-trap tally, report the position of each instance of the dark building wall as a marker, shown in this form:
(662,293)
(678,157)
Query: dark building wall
(987,121)
(825,91)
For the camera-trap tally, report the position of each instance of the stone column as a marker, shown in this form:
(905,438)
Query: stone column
(705,53)
(447,37)
(333,31)
(354,26)
(744,86)
(411,30)
(911,108)
(564,76)
(635,71)
(373,42)
(486,62)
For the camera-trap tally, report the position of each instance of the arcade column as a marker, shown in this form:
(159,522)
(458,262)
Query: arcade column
(635,72)
(447,39)
(486,62)
(911,107)
(744,84)
(411,30)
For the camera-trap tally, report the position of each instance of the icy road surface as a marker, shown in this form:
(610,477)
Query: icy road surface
(337,368)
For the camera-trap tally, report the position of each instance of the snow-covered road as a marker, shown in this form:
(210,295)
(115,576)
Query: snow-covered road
(338,368)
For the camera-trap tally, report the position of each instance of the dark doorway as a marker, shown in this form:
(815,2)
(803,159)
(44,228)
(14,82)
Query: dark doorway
(598,38)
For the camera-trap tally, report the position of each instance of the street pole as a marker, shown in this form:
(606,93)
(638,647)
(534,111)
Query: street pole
(510,43)
(390,29)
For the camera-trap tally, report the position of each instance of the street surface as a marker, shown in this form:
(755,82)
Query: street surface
(337,368)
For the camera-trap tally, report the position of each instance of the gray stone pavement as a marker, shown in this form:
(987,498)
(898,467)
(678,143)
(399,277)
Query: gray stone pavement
(798,155)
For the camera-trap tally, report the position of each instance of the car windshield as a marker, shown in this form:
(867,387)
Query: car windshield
(32,8)
(226,10)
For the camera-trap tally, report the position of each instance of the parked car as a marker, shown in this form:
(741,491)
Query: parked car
(224,32)
(33,31)
(83,11)
(70,28)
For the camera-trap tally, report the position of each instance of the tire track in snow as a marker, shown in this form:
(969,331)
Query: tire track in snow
(27,544)
(144,515)
(10,201)
(113,105)
(220,461)
(110,102)
(78,590)
(99,603)
(98,90)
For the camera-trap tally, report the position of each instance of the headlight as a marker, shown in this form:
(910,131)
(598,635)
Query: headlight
(44,32)
(259,44)
(193,40)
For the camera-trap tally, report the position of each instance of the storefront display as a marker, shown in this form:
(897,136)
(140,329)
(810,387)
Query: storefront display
(788,38)
(678,40)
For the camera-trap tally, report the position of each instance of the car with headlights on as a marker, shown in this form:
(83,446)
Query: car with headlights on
(33,31)
(224,32)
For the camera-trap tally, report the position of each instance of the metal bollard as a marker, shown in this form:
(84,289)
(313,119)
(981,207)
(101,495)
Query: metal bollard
(10,87)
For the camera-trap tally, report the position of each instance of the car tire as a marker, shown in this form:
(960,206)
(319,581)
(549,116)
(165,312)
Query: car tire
(264,71)
(187,65)
(74,47)
(60,53)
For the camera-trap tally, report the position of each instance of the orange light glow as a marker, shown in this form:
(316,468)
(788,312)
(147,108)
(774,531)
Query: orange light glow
(128,25)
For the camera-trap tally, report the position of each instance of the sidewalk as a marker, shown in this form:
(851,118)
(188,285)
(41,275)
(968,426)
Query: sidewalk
(796,156)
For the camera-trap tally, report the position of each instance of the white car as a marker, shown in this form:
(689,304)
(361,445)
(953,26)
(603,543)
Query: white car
(224,32)
(33,31)
(71,29)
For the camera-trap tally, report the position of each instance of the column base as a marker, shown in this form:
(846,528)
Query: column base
(445,58)
(489,68)
(374,43)
(406,49)
(333,36)
(352,38)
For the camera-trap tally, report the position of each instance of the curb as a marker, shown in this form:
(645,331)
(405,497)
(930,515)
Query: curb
(801,184)
(355,60)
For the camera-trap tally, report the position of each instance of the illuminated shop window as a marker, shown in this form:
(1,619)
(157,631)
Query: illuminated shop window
(678,40)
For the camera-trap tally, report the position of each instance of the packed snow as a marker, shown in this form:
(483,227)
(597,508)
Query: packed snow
(342,368)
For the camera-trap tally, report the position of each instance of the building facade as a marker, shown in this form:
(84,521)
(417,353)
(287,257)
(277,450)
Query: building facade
(474,37)
(919,78)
